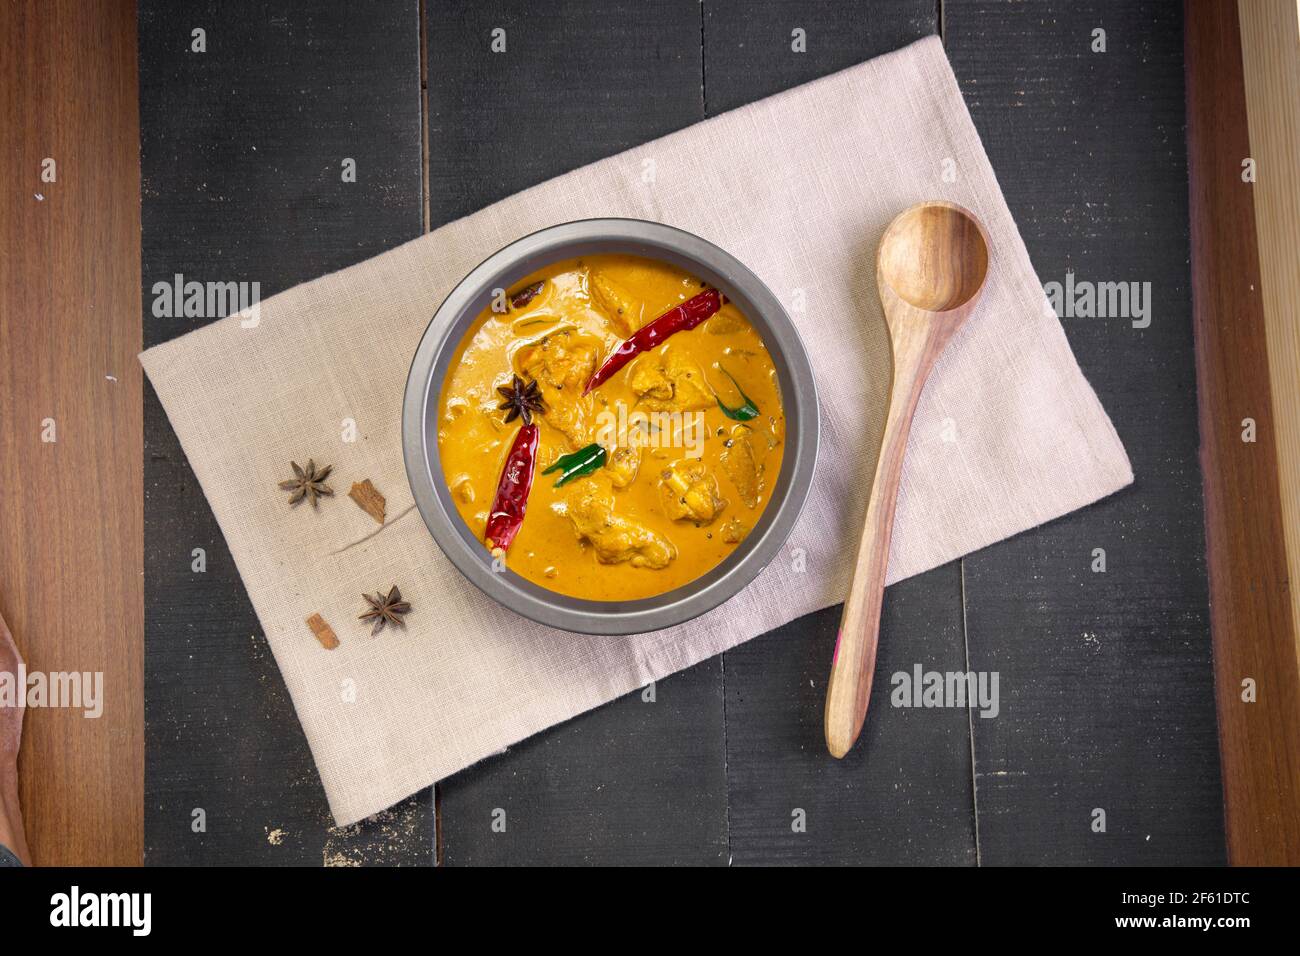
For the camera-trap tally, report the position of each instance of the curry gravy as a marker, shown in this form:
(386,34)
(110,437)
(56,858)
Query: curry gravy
(682,483)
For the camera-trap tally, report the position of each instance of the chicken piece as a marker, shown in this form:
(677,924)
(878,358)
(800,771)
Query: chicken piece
(618,305)
(623,465)
(671,384)
(733,532)
(561,363)
(564,359)
(690,388)
(690,492)
(589,506)
(648,379)
(742,465)
(571,415)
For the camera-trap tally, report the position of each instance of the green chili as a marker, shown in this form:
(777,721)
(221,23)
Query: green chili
(741,413)
(576,464)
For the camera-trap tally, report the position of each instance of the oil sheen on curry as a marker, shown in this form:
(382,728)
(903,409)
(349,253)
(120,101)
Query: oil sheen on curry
(611,428)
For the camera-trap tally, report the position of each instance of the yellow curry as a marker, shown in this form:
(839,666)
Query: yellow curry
(651,434)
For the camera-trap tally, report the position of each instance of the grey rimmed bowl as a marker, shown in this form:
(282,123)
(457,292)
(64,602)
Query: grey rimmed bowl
(500,271)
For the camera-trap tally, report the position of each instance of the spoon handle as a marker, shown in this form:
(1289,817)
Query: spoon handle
(854,663)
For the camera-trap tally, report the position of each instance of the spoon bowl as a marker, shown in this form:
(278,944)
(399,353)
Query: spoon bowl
(934,256)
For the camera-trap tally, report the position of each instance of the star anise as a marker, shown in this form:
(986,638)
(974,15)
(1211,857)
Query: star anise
(385,609)
(308,483)
(521,400)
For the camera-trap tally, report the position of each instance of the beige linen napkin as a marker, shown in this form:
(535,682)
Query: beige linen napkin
(799,187)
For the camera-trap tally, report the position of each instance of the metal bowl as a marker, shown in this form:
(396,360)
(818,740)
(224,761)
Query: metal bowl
(438,346)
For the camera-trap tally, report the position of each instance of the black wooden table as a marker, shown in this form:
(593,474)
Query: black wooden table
(1106,683)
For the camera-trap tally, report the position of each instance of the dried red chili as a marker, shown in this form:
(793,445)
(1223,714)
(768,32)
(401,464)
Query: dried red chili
(516,482)
(685,316)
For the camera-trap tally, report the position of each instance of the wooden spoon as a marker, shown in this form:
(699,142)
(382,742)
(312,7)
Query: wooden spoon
(930,270)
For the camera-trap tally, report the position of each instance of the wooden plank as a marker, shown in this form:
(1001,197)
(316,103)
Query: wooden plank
(566,91)
(632,782)
(750,52)
(243,154)
(1270,55)
(904,793)
(1253,627)
(1106,679)
(70,512)
(636,782)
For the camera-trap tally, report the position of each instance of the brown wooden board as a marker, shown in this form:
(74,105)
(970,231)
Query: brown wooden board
(1253,626)
(1106,681)
(70,423)
(242,152)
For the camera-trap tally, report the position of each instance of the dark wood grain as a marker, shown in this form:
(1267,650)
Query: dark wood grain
(568,90)
(1252,618)
(1106,680)
(636,782)
(70,511)
(904,794)
(632,782)
(749,44)
(242,158)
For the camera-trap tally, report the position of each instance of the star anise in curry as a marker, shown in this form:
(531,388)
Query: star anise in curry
(522,399)
(308,483)
(385,609)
